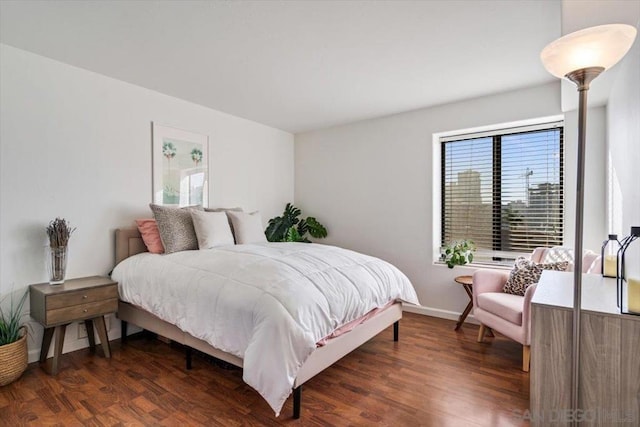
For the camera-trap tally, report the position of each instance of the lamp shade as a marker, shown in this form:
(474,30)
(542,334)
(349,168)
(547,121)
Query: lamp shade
(601,46)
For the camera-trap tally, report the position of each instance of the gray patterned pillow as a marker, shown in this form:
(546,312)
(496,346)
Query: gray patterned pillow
(526,273)
(176,227)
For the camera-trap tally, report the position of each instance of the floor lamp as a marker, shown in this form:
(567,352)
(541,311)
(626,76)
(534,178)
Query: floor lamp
(581,57)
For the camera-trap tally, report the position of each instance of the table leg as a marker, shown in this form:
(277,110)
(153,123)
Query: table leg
(102,333)
(123,334)
(46,343)
(88,324)
(469,290)
(464,315)
(57,352)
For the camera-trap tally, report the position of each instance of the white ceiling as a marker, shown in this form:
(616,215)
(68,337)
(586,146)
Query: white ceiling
(297,66)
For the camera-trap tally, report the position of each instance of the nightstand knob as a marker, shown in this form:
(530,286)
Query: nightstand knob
(84,297)
(84,311)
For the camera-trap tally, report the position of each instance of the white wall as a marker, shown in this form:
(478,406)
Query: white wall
(595,230)
(623,119)
(77,144)
(371,183)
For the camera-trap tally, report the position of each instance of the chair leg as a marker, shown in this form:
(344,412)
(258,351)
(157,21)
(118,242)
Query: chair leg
(481,332)
(526,357)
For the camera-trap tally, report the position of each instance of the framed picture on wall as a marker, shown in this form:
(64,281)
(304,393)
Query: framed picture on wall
(180,167)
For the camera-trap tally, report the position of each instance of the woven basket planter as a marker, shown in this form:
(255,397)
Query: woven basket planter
(13,359)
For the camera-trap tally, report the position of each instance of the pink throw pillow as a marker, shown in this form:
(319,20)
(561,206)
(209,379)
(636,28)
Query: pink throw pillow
(150,235)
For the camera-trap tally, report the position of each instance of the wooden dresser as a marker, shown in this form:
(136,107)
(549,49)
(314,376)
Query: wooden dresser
(609,354)
(56,306)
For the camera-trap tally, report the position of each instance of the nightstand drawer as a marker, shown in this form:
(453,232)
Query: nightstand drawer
(82,296)
(81,311)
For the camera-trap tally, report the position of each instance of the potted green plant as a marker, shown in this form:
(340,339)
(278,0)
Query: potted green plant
(13,342)
(459,252)
(289,228)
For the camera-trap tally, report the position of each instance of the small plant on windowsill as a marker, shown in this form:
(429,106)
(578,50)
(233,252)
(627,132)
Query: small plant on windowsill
(459,252)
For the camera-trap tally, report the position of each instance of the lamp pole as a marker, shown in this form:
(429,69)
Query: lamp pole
(582,78)
(580,57)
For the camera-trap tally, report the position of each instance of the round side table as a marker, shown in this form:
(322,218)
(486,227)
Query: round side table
(467,284)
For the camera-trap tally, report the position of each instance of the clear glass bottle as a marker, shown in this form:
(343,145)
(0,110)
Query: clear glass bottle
(609,256)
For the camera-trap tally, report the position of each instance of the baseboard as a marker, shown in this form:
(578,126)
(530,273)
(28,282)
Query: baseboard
(34,355)
(436,312)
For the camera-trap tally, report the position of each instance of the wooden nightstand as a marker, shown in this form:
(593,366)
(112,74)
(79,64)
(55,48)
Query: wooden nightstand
(56,306)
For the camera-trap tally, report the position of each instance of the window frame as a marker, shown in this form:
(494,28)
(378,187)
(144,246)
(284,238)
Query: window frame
(500,257)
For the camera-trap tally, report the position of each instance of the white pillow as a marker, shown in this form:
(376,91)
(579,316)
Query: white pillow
(247,227)
(557,254)
(212,229)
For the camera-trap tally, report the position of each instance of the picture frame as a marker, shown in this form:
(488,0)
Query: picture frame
(180,167)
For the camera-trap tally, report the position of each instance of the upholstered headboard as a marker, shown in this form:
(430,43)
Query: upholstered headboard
(128,243)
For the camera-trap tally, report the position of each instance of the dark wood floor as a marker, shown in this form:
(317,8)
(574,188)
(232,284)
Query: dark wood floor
(432,377)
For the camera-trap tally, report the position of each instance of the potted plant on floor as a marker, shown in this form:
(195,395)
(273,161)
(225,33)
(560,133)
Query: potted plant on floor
(13,342)
(290,228)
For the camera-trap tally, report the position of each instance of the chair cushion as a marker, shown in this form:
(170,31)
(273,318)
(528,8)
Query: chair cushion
(506,306)
(526,272)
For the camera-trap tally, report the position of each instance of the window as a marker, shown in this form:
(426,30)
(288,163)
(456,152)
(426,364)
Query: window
(503,190)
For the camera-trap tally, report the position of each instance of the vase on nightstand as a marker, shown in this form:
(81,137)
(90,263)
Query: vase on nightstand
(56,263)
(59,232)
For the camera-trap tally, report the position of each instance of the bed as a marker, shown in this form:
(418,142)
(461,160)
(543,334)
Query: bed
(132,310)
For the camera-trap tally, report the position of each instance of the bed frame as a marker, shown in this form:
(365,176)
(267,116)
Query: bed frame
(129,242)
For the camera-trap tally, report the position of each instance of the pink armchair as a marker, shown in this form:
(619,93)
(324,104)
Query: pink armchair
(509,314)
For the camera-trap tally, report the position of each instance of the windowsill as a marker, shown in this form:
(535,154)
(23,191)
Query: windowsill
(476,265)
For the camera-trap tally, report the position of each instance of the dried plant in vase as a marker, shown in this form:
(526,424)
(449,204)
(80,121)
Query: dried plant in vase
(59,232)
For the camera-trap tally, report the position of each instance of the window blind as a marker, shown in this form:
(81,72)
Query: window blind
(504,190)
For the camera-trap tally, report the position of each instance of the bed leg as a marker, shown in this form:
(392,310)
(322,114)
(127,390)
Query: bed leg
(123,328)
(396,330)
(188,354)
(297,397)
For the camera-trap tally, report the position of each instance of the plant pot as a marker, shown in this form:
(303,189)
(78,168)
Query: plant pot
(13,359)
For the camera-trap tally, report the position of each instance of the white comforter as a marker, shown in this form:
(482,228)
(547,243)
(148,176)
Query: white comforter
(269,304)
